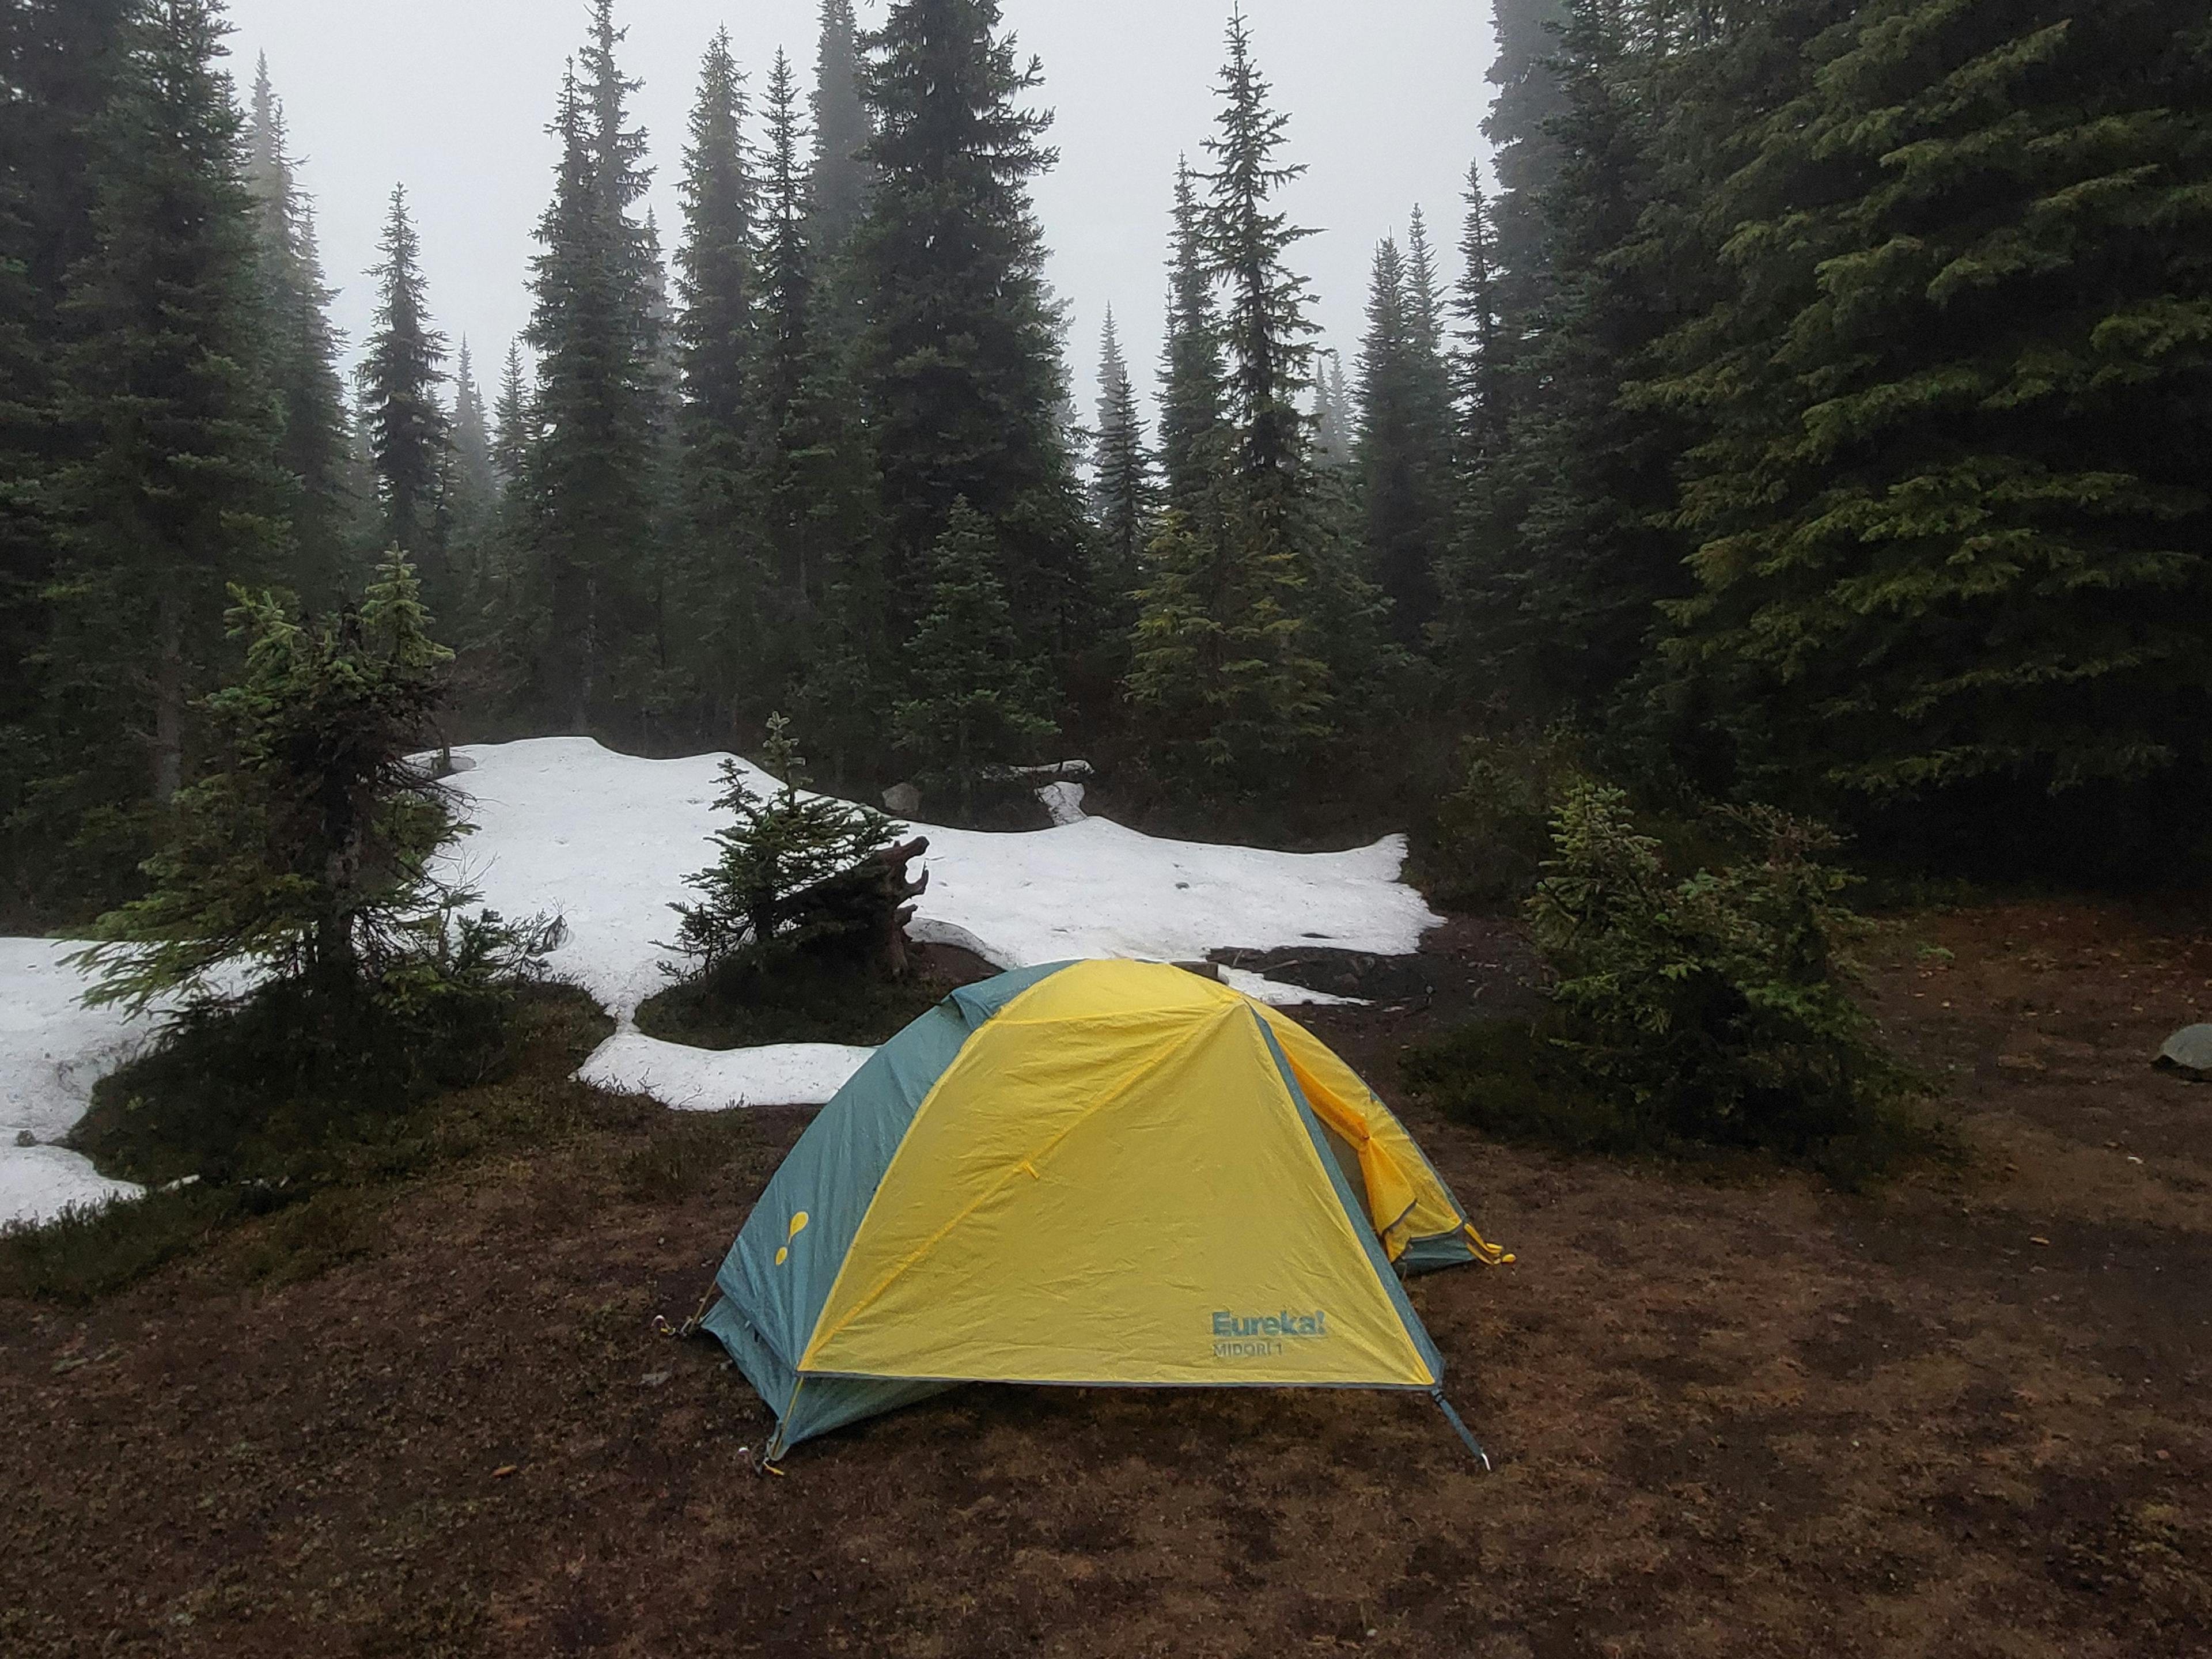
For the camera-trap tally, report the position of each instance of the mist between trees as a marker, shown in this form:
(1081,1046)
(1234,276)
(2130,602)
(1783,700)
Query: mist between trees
(1809,402)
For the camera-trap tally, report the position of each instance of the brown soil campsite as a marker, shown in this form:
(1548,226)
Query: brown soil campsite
(1735,1412)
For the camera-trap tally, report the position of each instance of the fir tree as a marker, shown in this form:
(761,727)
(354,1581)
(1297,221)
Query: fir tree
(1193,390)
(1953,533)
(1222,673)
(409,437)
(1402,495)
(1530,100)
(590,495)
(958,361)
(838,187)
(57,63)
(976,700)
(177,491)
(816,483)
(1229,670)
(511,420)
(475,468)
(301,349)
(1475,356)
(472,503)
(1332,424)
(716,287)
(722,426)
(1122,491)
(1266,330)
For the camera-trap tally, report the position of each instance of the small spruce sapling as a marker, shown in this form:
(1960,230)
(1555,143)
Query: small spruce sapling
(782,844)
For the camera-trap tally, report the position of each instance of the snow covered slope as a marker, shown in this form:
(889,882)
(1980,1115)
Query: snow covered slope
(606,841)
(51,1052)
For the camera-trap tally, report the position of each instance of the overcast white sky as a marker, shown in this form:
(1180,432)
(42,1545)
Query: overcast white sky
(452,98)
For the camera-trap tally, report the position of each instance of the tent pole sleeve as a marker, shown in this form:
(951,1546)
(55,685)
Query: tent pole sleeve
(1453,1418)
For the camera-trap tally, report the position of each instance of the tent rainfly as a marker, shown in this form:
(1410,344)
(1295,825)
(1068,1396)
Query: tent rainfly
(1100,1174)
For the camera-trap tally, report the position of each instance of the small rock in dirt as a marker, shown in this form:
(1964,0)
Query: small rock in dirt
(2189,1053)
(656,1379)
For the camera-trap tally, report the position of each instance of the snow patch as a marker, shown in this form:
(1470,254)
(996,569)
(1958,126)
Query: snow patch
(1276,994)
(696,1080)
(607,842)
(52,1050)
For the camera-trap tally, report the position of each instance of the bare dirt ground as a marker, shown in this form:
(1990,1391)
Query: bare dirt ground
(1965,1415)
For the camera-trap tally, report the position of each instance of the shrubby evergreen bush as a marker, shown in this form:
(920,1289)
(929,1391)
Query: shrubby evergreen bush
(1712,1009)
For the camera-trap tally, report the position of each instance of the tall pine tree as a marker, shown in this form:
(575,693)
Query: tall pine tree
(816,485)
(1193,390)
(1955,543)
(411,439)
(590,492)
(1123,491)
(1250,591)
(177,492)
(959,363)
(721,421)
(838,187)
(57,63)
(301,349)
(1402,451)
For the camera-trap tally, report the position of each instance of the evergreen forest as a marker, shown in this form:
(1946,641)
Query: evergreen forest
(1807,406)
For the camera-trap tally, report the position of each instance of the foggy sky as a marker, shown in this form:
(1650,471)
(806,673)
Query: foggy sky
(452,98)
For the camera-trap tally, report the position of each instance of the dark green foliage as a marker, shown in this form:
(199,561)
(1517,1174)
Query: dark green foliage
(1403,451)
(512,416)
(301,352)
(55,62)
(173,490)
(1520,131)
(589,501)
(1717,1007)
(91,1252)
(297,876)
(410,439)
(1252,619)
(1952,523)
(958,363)
(782,843)
(823,630)
(1508,1078)
(722,419)
(975,700)
(1486,841)
(1223,673)
(1123,492)
(1193,386)
(839,182)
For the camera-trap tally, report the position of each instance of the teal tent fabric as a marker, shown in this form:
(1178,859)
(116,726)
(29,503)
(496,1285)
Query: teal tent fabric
(857,1134)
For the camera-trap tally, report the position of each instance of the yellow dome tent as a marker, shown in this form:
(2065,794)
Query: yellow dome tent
(1101,1174)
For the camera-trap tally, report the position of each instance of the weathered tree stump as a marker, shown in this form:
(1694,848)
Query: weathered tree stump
(863,913)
